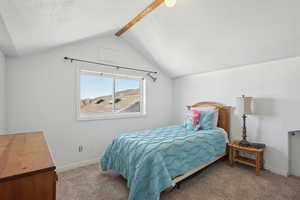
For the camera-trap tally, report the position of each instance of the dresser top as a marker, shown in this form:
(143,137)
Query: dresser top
(24,154)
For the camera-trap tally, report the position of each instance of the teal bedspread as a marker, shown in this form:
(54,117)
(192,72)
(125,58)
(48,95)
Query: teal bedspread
(150,159)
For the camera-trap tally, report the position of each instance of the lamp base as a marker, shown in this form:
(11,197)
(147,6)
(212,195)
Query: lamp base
(244,143)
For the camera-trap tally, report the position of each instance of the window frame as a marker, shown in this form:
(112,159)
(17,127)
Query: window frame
(112,115)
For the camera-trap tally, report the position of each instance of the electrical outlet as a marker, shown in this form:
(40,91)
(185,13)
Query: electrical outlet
(80,148)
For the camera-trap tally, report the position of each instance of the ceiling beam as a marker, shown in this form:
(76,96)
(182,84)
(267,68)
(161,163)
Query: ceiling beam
(140,16)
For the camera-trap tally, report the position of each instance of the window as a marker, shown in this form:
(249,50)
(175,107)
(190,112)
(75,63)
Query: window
(104,95)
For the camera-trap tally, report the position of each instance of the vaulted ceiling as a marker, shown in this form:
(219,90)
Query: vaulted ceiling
(194,36)
(38,24)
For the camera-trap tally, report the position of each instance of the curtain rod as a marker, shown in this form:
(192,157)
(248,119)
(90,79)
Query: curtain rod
(109,65)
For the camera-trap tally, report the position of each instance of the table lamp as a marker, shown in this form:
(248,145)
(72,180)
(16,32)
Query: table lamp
(244,107)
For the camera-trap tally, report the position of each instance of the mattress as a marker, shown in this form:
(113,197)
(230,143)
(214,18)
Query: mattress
(150,159)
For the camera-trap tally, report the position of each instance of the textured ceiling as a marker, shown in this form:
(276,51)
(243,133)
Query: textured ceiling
(39,24)
(194,36)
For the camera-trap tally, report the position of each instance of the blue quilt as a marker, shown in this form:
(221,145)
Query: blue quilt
(150,159)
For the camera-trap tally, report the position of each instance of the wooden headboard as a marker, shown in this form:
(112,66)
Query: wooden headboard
(224,114)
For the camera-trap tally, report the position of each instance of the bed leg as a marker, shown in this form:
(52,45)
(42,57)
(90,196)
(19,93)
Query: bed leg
(169,189)
(225,158)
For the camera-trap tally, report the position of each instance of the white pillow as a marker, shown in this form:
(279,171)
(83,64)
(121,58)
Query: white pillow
(212,109)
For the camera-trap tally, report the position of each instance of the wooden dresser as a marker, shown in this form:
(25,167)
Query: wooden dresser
(27,171)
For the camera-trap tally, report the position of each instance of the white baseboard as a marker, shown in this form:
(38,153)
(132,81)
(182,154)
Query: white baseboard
(77,164)
(277,171)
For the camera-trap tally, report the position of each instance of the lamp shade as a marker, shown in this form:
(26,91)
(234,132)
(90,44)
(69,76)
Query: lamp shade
(244,105)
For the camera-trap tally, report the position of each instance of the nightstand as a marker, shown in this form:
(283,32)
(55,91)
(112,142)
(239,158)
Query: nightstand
(234,155)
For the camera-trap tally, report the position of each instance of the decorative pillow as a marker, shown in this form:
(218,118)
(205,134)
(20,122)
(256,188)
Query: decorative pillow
(211,109)
(191,120)
(207,120)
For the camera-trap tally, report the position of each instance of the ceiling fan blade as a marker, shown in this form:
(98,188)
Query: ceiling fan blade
(140,16)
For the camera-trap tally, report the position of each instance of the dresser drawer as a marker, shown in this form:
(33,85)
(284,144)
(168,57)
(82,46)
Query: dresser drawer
(40,186)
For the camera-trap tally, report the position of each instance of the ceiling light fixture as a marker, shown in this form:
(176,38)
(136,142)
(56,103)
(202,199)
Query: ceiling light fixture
(170,3)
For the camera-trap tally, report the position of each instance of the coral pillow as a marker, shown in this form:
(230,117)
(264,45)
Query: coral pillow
(191,119)
(211,109)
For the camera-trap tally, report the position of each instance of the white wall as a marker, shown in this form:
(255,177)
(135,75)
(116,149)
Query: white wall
(275,87)
(3,115)
(41,89)
(42,96)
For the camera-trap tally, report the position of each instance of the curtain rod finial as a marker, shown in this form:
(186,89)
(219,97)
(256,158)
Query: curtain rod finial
(67,58)
(152,77)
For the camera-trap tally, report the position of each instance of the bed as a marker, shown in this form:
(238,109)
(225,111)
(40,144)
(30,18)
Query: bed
(156,160)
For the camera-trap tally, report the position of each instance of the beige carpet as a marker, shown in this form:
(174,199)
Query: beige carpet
(217,182)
